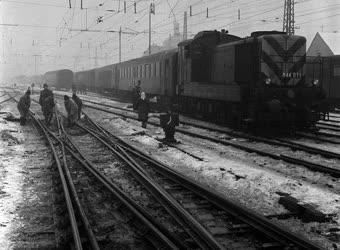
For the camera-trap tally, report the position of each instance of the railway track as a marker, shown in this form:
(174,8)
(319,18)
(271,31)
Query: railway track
(219,217)
(223,222)
(329,125)
(320,136)
(243,146)
(289,158)
(117,222)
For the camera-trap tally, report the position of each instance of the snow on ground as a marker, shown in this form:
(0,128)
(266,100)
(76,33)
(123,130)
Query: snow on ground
(335,148)
(25,212)
(248,178)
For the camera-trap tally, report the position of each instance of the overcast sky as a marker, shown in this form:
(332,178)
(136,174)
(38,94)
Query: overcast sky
(43,35)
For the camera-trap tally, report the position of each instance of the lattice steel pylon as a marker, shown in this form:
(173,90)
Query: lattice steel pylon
(288,17)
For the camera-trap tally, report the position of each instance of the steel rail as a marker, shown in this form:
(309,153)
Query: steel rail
(70,208)
(256,221)
(328,128)
(8,99)
(316,135)
(163,234)
(202,237)
(329,124)
(84,219)
(277,142)
(75,231)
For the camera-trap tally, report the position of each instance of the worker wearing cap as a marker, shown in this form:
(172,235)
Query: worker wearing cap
(78,101)
(46,102)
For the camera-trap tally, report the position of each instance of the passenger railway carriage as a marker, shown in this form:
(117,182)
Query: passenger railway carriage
(85,80)
(326,72)
(221,77)
(61,79)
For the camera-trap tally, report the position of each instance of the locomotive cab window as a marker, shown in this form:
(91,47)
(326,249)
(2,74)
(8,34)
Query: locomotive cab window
(336,71)
(243,63)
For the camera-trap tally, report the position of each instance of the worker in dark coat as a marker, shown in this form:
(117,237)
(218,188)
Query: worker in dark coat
(143,107)
(46,101)
(24,106)
(78,101)
(72,110)
(169,121)
(136,92)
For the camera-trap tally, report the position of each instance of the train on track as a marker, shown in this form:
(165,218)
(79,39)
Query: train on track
(260,79)
(327,71)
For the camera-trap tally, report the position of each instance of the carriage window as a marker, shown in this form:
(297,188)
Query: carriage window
(143,71)
(152,70)
(158,69)
(147,70)
(336,70)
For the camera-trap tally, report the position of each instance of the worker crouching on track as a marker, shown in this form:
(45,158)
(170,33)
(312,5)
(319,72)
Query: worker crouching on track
(24,106)
(46,101)
(143,107)
(169,121)
(72,111)
(78,101)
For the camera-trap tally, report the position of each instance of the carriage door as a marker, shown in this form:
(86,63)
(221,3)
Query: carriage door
(116,76)
(167,78)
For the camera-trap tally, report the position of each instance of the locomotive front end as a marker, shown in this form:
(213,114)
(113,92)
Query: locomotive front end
(285,96)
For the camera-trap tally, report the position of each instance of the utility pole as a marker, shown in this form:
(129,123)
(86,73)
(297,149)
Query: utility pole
(150,31)
(120,43)
(288,17)
(185,26)
(35,63)
(151,11)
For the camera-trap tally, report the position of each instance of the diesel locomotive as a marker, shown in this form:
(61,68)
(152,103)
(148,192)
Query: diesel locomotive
(260,79)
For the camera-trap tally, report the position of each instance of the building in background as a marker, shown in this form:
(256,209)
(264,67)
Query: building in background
(325,44)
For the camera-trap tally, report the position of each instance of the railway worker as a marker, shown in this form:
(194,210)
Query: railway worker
(72,110)
(78,101)
(24,106)
(169,121)
(136,95)
(46,102)
(143,107)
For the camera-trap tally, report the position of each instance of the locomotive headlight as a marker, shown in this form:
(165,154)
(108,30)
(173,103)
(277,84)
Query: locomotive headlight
(315,82)
(268,81)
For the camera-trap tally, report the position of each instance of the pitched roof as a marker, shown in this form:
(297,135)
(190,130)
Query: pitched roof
(332,39)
